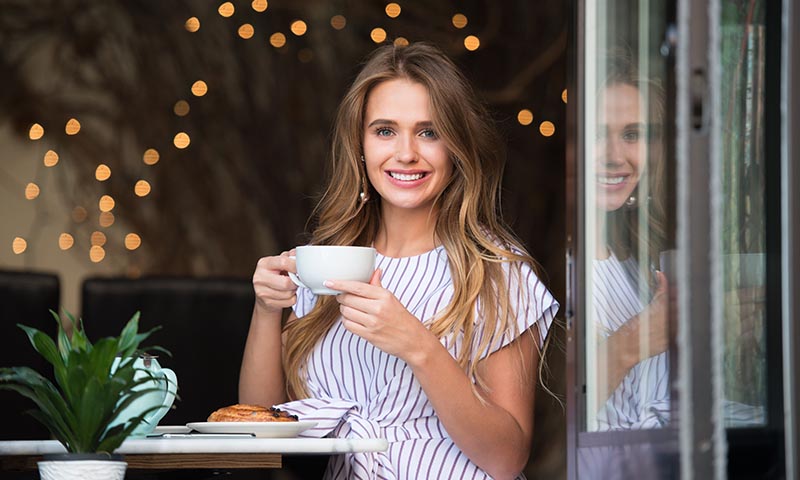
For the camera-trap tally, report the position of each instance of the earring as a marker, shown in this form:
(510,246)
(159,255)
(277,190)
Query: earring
(362,159)
(631,201)
(364,197)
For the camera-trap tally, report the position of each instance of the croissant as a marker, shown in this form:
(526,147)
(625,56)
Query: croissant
(250,413)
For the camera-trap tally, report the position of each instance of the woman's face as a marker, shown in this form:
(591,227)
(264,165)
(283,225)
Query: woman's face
(407,163)
(620,151)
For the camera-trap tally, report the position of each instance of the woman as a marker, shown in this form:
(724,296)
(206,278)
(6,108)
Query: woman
(438,353)
(629,293)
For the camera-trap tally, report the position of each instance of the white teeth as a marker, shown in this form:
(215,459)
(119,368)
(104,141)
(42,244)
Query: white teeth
(406,177)
(610,180)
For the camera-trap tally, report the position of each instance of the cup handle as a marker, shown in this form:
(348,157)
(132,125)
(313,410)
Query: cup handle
(294,277)
(169,398)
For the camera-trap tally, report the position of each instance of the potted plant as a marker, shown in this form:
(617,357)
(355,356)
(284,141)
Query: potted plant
(94,383)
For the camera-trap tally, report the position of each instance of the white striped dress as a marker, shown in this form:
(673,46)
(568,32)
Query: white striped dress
(358,391)
(642,399)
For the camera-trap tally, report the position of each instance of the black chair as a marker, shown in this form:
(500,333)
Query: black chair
(204,323)
(26,298)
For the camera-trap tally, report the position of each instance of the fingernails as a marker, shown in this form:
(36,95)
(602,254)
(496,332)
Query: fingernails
(328,283)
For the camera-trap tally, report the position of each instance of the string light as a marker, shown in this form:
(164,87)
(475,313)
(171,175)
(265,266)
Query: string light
(192,24)
(106,203)
(277,40)
(181,108)
(181,140)
(106,219)
(72,127)
(150,156)
(472,43)
(564,96)
(401,42)
(102,172)
(226,9)
(65,241)
(97,254)
(199,88)
(142,188)
(246,31)
(547,129)
(31,191)
(338,22)
(393,10)
(132,241)
(36,132)
(377,35)
(525,117)
(50,159)
(299,28)
(19,245)
(259,5)
(459,20)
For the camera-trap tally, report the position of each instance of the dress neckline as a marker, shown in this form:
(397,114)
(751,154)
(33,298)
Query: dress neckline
(436,249)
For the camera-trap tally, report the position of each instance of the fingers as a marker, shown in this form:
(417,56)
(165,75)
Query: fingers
(375,280)
(356,288)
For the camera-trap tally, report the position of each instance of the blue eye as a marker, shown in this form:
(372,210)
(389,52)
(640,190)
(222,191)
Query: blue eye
(631,136)
(428,133)
(383,132)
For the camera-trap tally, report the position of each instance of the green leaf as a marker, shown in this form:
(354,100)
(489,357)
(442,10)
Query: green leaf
(64,343)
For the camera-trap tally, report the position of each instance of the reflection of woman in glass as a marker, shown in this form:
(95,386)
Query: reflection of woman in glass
(629,293)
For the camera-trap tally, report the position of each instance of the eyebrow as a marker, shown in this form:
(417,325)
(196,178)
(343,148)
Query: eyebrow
(383,121)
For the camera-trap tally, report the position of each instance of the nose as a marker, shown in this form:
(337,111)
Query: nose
(406,149)
(609,152)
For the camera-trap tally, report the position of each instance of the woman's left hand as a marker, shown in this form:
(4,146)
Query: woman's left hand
(374,314)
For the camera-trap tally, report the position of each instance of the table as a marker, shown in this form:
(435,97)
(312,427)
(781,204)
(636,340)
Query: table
(196,452)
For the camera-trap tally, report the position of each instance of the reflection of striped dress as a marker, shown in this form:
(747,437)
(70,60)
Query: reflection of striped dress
(642,399)
(358,391)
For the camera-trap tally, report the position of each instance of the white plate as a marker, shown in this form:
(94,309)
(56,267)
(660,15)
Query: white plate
(259,429)
(171,429)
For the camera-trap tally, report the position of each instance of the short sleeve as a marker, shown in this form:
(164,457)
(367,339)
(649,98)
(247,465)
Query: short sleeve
(305,302)
(530,302)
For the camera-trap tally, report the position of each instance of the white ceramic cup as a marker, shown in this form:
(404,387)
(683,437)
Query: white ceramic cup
(318,263)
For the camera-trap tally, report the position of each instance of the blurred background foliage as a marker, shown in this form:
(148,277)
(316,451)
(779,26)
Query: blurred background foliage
(212,120)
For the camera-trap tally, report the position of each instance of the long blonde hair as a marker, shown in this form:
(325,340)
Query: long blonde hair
(468,223)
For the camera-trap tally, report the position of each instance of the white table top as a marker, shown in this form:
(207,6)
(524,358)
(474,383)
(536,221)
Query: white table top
(211,445)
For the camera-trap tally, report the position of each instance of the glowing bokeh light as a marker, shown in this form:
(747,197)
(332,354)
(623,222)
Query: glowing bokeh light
(377,35)
(459,20)
(192,24)
(564,96)
(299,28)
(393,10)
(401,42)
(338,22)
(50,159)
(246,31)
(102,172)
(106,219)
(31,191)
(97,254)
(106,203)
(142,188)
(277,39)
(19,245)
(547,129)
(132,241)
(226,9)
(199,88)
(259,5)
(79,214)
(98,238)
(36,132)
(525,117)
(65,241)
(181,140)
(181,108)
(72,127)
(150,156)
(472,43)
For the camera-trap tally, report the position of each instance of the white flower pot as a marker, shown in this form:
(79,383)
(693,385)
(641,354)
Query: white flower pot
(81,469)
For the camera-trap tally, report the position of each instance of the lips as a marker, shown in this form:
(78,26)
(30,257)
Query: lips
(610,179)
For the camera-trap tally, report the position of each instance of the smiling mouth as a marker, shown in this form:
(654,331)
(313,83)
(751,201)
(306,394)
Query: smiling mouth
(406,177)
(610,180)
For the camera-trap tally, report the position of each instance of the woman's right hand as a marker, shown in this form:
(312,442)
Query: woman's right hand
(274,289)
(652,323)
